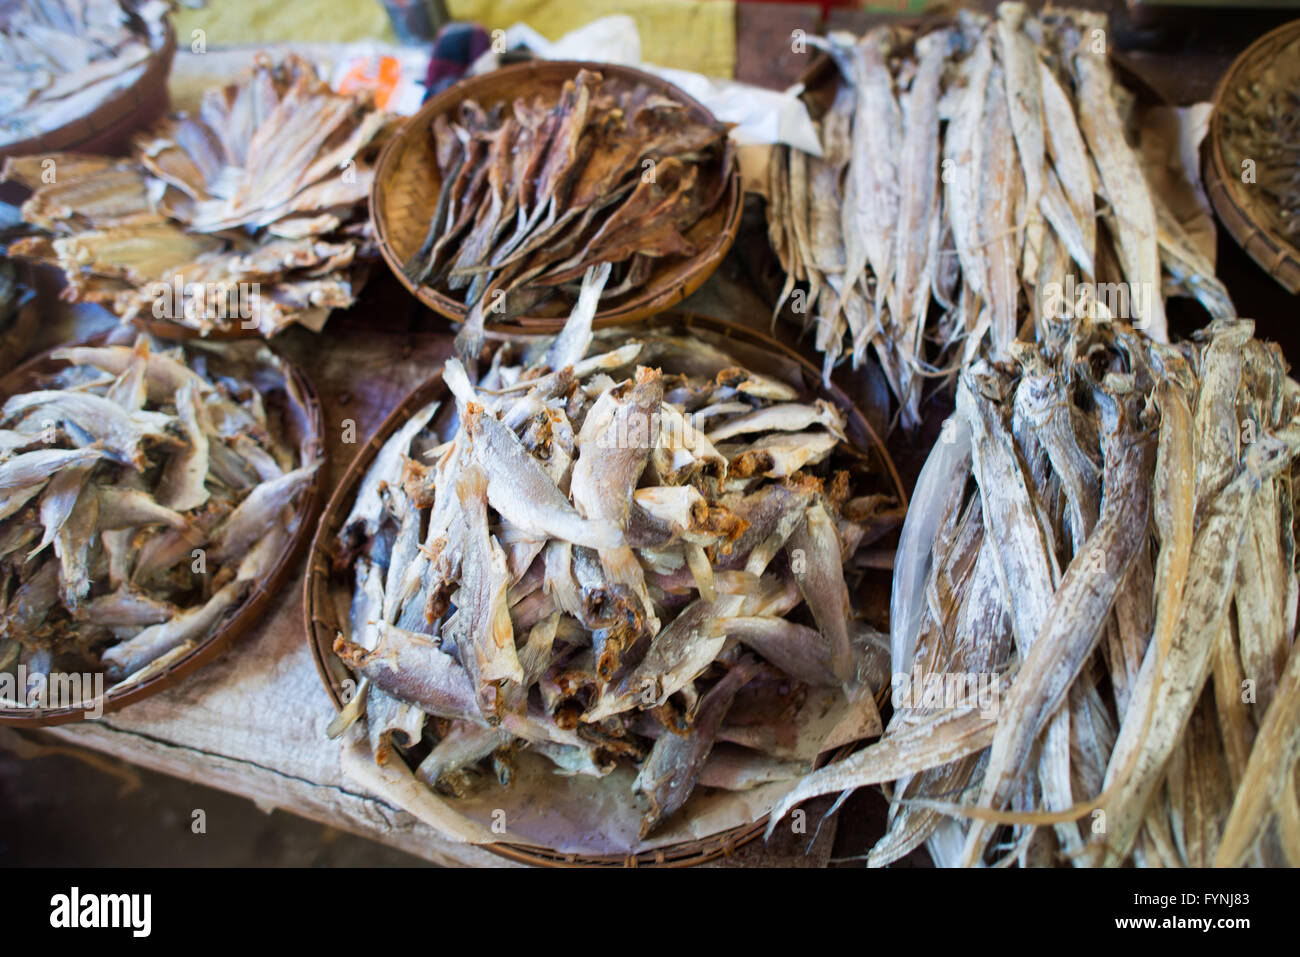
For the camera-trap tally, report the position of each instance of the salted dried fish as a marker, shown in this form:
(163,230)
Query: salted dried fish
(1123,593)
(486,641)
(1079,606)
(586,540)
(1024,96)
(151,550)
(787,417)
(814,552)
(69,58)
(1125,188)
(413,668)
(674,764)
(183,482)
(250,519)
(521,490)
(533,197)
(27,470)
(974,153)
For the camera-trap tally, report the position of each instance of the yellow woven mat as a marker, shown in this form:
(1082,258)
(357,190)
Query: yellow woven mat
(695,35)
(241,22)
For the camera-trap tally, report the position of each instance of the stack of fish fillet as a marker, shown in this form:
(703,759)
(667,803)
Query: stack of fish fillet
(64,58)
(144,493)
(250,215)
(1105,545)
(965,172)
(617,549)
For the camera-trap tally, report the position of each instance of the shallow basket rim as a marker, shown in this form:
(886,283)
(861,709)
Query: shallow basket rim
(116,116)
(1272,252)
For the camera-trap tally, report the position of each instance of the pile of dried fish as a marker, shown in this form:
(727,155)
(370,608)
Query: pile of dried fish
(1094,617)
(1261,139)
(534,193)
(64,58)
(144,493)
(250,215)
(958,197)
(613,549)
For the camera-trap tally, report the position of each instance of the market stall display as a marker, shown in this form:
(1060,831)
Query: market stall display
(617,585)
(1105,546)
(968,170)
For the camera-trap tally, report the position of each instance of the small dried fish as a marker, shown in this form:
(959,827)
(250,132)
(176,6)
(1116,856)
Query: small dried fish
(246,213)
(133,583)
(674,764)
(590,561)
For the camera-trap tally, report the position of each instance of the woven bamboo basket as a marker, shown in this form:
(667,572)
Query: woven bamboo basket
(407,186)
(109,127)
(304,427)
(1242,209)
(321,615)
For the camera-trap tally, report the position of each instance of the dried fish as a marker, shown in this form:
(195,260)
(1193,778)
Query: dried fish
(66,59)
(973,154)
(1150,603)
(247,214)
(607,174)
(585,539)
(151,550)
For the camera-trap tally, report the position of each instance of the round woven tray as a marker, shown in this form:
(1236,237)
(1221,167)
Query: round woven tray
(322,623)
(407,185)
(108,128)
(304,427)
(1241,208)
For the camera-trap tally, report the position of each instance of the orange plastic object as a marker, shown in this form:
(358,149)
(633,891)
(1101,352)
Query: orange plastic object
(380,76)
